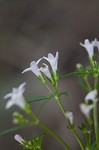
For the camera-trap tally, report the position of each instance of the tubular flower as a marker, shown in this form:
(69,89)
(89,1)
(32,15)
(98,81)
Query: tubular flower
(96,43)
(18,138)
(45,70)
(69,116)
(53,61)
(91,96)
(89,46)
(16,97)
(35,69)
(85,109)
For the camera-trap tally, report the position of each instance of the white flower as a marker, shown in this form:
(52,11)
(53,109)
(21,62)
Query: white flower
(96,43)
(91,96)
(16,97)
(78,66)
(18,138)
(45,70)
(34,68)
(69,116)
(85,109)
(53,61)
(89,46)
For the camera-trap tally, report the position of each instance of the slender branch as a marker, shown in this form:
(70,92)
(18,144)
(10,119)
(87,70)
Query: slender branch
(87,83)
(96,123)
(78,139)
(54,135)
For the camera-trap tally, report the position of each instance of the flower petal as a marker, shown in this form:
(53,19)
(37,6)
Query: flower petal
(52,60)
(26,70)
(34,68)
(45,70)
(39,61)
(89,46)
(21,87)
(7,95)
(20,102)
(85,109)
(91,95)
(18,138)
(9,104)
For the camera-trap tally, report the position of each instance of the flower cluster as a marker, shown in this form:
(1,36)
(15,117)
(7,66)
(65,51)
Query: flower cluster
(89,46)
(44,74)
(53,61)
(16,97)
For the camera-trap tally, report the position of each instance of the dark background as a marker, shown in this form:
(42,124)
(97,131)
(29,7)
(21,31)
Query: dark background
(30,29)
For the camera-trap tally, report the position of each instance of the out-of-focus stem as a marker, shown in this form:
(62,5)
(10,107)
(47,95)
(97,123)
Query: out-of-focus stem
(78,139)
(87,83)
(54,135)
(96,123)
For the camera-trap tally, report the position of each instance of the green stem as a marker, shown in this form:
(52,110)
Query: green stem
(78,139)
(54,135)
(95,83)
(96,115)
(61,106)
(87,83)
(90,136)
(63,111)
(49,89)
(57,97)
(86,135)
(96,123)
(39,123)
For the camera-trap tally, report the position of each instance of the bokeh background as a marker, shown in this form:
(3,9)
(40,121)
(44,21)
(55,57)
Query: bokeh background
(30,29)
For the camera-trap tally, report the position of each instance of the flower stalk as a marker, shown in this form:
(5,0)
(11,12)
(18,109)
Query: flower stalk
(54,135)
(78,139)
(96,123)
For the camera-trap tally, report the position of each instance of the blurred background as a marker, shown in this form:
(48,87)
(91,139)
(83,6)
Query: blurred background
(30,29)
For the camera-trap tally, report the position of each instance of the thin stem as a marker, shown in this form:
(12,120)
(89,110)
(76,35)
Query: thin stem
(78,139)
(57,97)
(89,133)
(61,106)
(90,136)
(86,135)
(54,135)
(63,111)
(39,123)
(95,83)
(87,83)
(49,89)
(95,114)
(96,123)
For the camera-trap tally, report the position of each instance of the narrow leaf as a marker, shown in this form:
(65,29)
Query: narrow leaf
(39,99)
(15,129)
(72,73)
